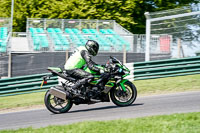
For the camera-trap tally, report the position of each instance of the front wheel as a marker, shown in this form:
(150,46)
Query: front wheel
(124,98)
(57,105)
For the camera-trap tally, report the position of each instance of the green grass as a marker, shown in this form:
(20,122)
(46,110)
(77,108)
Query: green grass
(144,87)
(25,100)
(176,123)
(168,85)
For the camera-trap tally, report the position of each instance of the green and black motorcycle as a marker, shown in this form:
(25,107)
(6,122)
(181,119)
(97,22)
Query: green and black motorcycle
(112,85)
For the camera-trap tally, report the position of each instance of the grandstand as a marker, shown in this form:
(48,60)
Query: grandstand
(66,34)
(4,35)
(46,41)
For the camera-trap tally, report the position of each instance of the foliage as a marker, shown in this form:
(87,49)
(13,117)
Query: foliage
(128,13)
(176,123)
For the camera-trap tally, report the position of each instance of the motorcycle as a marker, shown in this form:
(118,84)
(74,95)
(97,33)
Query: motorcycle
(103,87)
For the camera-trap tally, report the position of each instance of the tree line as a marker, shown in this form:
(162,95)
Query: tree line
(128,13)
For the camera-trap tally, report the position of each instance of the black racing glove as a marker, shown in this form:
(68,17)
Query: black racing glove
(105,70)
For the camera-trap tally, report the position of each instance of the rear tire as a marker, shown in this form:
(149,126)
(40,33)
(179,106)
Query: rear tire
(57,105)
(121,98)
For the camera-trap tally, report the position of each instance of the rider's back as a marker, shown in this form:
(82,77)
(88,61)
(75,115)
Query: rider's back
(76,60)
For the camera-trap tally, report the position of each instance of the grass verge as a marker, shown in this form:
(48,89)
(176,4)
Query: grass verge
(168,85)
(19,101)
(144,87)
(176,123)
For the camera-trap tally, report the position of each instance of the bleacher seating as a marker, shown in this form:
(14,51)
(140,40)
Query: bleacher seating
(3,37)
(115,39)
(40,40)
(76,37)
(107,31)
(59,40)
(107,38)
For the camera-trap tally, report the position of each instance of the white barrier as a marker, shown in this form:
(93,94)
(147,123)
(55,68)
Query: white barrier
(130,66)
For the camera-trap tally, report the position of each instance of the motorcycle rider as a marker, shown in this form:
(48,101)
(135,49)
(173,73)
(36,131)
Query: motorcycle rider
(80,58)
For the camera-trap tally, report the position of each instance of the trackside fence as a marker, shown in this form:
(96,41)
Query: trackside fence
(139,71)
(166,68)
(24,84)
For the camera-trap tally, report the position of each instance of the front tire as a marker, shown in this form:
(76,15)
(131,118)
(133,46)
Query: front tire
(122,98)
(57,105)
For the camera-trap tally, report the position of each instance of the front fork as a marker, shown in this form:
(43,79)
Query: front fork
(121,84)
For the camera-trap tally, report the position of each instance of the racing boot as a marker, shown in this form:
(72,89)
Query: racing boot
(80,82)
(75,89)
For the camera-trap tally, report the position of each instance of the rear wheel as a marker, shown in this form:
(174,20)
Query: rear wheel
(57,105)
(124,98)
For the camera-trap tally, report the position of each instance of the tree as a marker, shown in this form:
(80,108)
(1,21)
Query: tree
(128,13)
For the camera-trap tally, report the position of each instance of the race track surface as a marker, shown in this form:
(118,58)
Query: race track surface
(143,106)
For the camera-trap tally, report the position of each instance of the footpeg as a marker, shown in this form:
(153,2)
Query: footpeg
(95,100)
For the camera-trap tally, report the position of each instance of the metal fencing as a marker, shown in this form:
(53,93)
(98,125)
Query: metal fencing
(67,34)
(159,43)
(4,36)
(3,66)
(38,62)
(175,31)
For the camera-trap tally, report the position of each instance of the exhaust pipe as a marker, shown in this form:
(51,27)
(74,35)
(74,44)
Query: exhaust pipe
(59,93)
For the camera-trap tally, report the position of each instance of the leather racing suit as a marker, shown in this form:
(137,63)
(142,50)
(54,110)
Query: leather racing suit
(76,62)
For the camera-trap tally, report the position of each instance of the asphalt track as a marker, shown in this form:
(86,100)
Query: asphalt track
(143,106)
